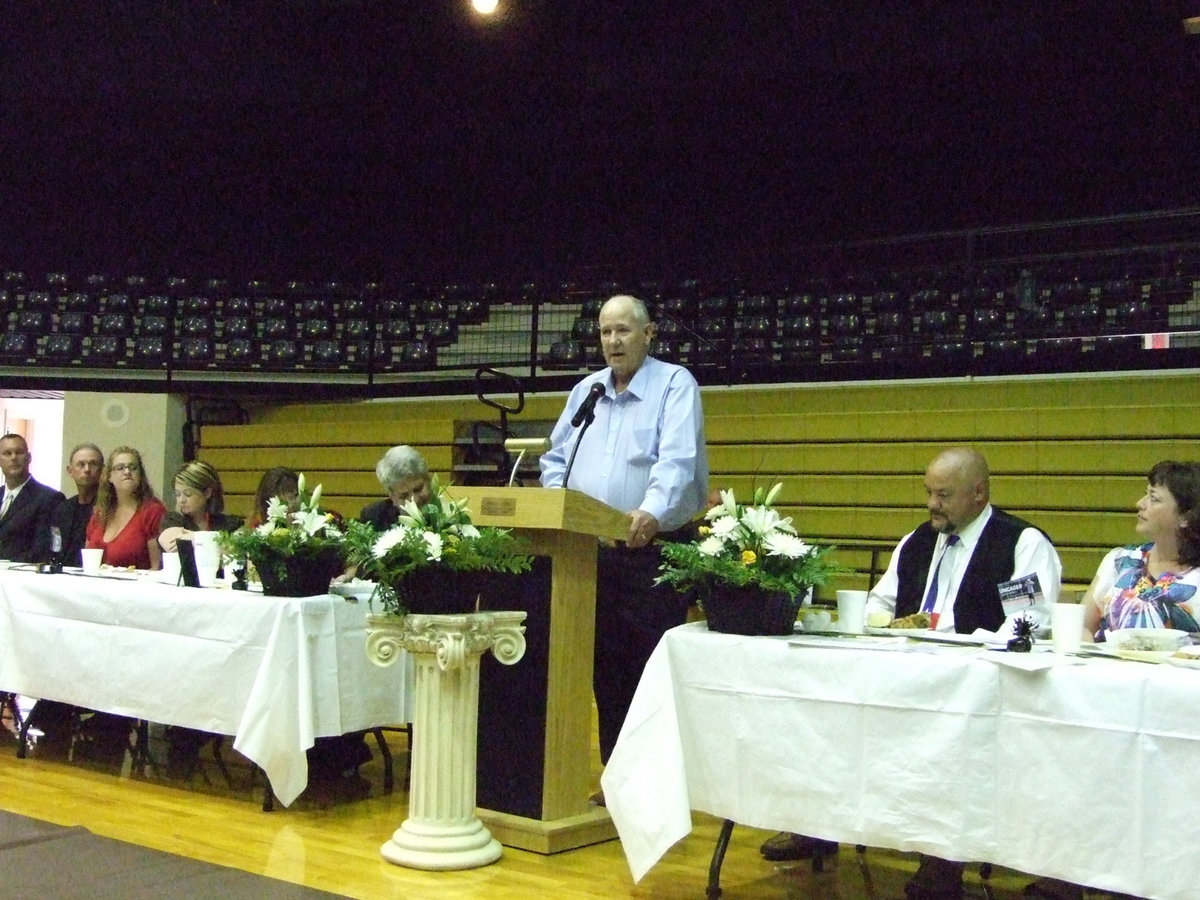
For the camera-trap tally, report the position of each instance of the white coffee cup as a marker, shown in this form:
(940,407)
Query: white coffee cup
(170,567)
(92,558)
(1066,627)
(852,611)
(208,556)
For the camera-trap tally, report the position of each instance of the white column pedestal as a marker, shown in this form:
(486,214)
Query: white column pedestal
(442,830)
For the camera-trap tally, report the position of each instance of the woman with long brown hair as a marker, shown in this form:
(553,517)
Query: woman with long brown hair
(128,516)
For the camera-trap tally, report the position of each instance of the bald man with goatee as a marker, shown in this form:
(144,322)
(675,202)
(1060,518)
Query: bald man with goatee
(970,566)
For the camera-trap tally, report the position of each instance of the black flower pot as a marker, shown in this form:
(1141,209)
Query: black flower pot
(436,590)
(298,576)
(750,610)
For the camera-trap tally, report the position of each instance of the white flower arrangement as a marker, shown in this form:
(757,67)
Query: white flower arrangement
(299,528)
(747,546)
(440,533)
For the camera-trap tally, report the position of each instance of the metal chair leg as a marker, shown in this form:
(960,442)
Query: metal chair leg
(20,726)
(718,857)
(268,804)
(217,744)
(385,752)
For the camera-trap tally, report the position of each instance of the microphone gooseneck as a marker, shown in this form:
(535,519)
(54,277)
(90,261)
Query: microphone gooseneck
(585,415)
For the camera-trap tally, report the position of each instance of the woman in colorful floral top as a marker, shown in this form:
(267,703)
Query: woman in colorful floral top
(1153,585)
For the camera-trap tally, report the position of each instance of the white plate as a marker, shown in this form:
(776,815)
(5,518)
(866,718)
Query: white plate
(928,634)
(1184,662)
(1146,640)
(358,589)
(1150,656)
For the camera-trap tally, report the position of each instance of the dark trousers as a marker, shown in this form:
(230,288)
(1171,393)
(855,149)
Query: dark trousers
(632,613)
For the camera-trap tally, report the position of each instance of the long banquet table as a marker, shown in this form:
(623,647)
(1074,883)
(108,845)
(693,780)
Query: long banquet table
(275,672)
(1061,766)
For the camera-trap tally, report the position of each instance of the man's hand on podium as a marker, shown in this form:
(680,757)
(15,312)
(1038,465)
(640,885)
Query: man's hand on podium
(642,529)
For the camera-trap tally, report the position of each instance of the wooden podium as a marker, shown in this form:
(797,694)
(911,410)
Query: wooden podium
(563,525)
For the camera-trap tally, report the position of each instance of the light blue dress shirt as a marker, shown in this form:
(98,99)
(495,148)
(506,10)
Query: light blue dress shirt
(645,450)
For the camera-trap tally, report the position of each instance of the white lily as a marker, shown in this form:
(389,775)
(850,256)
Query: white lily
(310,520)
(412,515)
(773,493)
(763,521)
(727,506)
(315,500)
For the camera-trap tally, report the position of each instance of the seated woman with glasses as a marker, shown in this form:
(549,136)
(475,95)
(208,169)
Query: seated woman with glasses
(199,505)
(128,517)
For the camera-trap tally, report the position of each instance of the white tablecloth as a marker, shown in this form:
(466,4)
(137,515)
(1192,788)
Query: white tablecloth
(275,672)
(1082,770)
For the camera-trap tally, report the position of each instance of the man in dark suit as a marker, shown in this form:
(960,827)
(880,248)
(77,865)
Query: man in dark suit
(26,505)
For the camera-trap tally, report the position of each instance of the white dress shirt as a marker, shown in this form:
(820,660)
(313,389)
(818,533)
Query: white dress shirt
(10,497)
(1034,553)
(645,450)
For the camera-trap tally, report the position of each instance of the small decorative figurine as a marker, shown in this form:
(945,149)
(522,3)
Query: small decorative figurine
(1022,642)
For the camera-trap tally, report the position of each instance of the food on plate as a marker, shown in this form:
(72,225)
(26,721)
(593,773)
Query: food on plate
(1146,639)
(1191,651)
(916,620)
(879,619)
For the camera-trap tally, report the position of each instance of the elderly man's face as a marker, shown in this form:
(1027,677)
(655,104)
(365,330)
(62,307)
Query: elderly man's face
(625,343)
(415,488)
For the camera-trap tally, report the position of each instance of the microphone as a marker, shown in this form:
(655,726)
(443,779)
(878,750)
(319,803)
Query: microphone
(585,415)
(587,409)
(56,551)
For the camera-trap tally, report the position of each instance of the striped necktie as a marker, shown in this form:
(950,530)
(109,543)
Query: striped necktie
(6,503)
(932,594)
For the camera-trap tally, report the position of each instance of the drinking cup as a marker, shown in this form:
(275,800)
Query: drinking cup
(1066,627)
(91,560)
(852,611)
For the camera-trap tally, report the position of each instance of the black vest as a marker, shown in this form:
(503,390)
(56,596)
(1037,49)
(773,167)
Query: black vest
(977,604)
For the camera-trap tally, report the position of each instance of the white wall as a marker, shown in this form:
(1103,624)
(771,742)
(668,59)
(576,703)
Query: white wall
(150,423)
(40,422)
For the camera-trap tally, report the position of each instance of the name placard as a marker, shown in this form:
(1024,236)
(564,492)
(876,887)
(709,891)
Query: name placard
(500,507)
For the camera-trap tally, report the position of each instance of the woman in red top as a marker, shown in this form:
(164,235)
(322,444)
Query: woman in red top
(128,517)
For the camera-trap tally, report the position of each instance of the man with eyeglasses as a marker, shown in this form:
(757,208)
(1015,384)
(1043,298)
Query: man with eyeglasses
(405,476)
(26,505)
(71,516)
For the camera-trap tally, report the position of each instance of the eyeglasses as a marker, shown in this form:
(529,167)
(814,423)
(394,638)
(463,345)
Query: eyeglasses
(131,468)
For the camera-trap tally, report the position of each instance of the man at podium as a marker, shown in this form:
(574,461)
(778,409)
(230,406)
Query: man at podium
(644,454)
